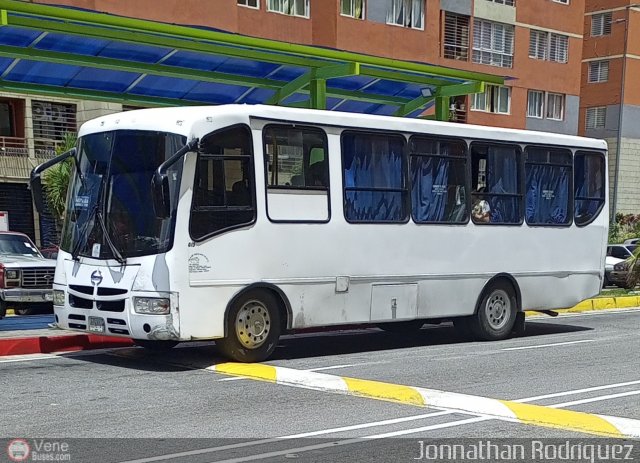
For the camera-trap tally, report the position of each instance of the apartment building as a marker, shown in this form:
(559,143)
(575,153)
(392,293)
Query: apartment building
(536,44)
(610,93)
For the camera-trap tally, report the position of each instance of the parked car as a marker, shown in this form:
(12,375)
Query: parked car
(616,254)
(617,264)
(620,273)
(50,252)
(26,276)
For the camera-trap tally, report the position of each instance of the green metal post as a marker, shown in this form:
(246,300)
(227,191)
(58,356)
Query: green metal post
(318,89)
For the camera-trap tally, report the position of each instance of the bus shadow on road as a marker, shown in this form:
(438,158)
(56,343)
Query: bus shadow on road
(371,340)
(189,357)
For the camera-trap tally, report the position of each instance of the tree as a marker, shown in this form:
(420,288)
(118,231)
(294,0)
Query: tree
(55,180)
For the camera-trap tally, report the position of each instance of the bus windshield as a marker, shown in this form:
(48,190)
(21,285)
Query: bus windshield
(110,209)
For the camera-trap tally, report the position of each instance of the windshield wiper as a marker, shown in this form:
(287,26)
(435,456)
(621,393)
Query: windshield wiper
(116,252)
(75,251)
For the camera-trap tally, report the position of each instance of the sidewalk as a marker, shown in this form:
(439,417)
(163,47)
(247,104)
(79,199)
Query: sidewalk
(35,334)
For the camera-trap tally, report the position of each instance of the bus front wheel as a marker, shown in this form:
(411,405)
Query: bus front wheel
(496,314)
(253,327)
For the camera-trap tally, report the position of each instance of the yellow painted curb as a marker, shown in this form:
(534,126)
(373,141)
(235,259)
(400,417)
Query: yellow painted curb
(597,303)
(384,391)
(562,419)
(538,415)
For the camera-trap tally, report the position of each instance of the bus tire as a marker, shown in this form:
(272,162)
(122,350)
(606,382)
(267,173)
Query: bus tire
(496,314)
(406,327)
(253,327)
(155,346)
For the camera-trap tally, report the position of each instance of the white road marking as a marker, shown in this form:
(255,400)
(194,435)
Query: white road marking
(333,367)
(372,424)
(357,440)
(594,399)
(538,346)
(578,391)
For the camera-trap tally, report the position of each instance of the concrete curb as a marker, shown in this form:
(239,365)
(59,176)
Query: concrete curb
(59,343)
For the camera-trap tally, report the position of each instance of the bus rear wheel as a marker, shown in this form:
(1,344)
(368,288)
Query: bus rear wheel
(253,327)
(496,314)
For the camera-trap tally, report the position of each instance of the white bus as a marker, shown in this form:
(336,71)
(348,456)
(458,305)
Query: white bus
(240,223)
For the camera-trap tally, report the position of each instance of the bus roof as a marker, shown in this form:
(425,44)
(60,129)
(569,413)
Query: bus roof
(197,121)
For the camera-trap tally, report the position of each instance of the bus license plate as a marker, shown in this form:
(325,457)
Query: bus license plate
(96,324)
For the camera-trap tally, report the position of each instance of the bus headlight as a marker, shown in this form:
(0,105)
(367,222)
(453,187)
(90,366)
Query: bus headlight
(152,305)
(58,297)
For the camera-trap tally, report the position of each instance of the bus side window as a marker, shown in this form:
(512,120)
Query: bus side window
(223,190)
(588,186)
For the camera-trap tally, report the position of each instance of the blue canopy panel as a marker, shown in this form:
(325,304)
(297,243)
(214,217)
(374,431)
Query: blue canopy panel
(176,70)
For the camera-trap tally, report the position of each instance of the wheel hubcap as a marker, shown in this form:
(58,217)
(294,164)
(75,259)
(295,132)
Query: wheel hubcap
(498,309)
(253,324)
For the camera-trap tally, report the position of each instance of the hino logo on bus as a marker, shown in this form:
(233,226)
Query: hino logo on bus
(96,277)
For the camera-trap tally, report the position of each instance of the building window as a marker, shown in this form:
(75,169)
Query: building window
(6,120)
(249,3)
(495,99)
(51,122)
(558,48)
(564,2)
(374,172)
(601,24)
(538,101)
(538,45)
(456,36)
(596,117)
(406,13)
(352,8)
(492,43)
(555,106)
(598,71)
(535,104)
(504,2)
(548,46)
(289,7)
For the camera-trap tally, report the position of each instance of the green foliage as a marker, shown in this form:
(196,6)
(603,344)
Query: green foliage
(55,180)
(626,226)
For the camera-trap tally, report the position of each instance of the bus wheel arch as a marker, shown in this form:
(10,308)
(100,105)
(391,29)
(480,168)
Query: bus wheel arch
(497,311)
(254,320)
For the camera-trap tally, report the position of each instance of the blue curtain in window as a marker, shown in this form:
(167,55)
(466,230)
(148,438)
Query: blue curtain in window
(547,196)
(429,188)
(371,163)
(502,177)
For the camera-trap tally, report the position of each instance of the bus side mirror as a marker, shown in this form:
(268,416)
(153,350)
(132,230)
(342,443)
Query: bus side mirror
(35,185)
(35,180)
(161,195)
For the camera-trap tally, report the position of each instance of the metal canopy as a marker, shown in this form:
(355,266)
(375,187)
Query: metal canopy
(84,54)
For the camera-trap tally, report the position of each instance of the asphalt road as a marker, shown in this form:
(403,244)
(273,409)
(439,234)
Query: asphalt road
(584,362)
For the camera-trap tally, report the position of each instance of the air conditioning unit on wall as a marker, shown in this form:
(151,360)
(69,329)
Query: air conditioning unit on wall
(43,111)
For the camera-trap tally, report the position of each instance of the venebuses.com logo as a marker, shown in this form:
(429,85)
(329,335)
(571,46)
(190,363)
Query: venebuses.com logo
(18,450)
